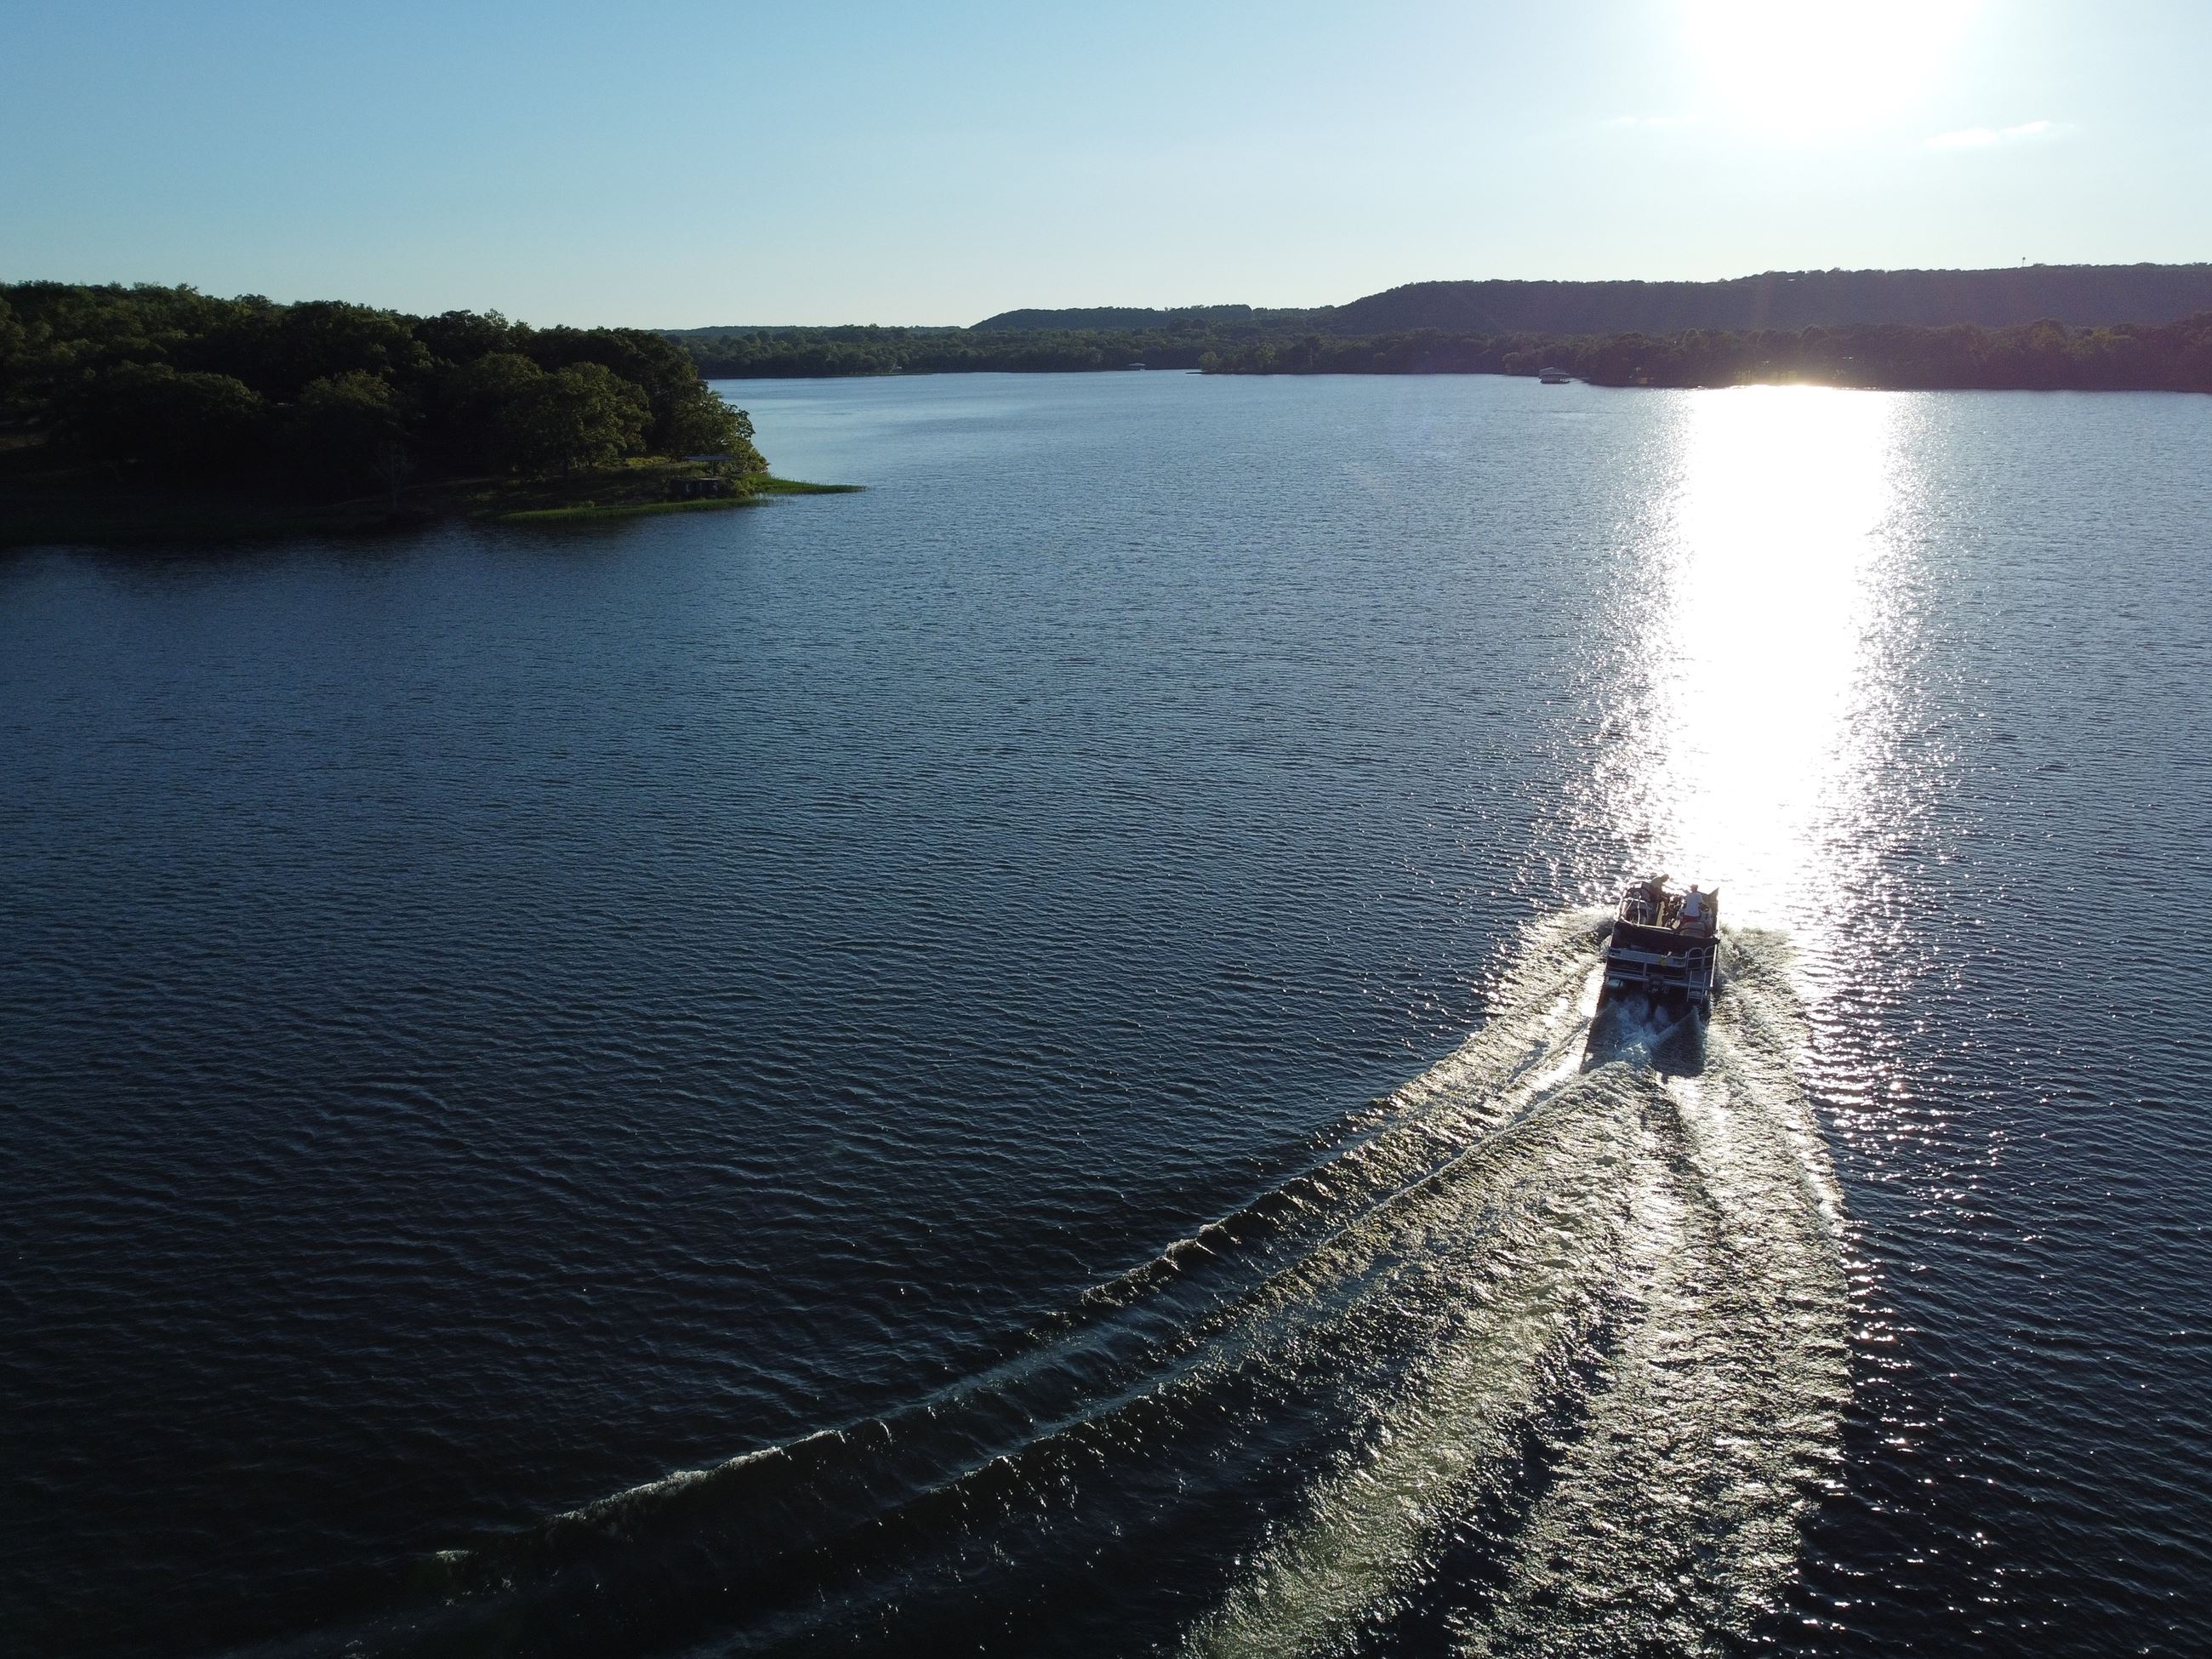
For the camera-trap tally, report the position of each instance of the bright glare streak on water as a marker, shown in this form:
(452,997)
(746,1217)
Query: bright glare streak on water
(1754,625)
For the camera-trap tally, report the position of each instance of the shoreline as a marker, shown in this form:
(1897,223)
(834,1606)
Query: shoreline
(764,489)
(75,512)
(1646,385)
(2039,357)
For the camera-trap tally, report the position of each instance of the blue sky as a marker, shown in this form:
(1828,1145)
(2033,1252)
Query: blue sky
(683,164)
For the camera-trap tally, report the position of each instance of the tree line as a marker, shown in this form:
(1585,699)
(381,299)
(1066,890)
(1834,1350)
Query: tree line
(167,382)
(817,353)
(171,383)
(2034,356)
(2042,356)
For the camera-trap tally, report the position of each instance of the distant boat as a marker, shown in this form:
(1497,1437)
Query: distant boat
(1554,377)
(1136,365)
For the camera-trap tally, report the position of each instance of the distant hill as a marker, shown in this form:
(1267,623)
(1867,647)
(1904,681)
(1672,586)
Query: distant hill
(2081,297)
(2138,327)
(853,330)
(1137,320)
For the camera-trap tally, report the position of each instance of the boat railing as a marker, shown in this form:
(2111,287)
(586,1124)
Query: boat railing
(1639,911)
(1630,953)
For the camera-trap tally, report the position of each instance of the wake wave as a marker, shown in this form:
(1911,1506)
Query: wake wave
(1637,1369)
(1537,1359)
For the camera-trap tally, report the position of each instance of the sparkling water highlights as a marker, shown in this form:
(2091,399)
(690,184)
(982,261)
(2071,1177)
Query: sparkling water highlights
(999,1063)
(1753,706)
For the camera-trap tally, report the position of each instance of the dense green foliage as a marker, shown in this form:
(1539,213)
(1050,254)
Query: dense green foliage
(2174,356)
(804,352)
(171,383)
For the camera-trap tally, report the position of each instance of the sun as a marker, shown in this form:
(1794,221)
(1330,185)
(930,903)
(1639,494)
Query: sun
(1814,66)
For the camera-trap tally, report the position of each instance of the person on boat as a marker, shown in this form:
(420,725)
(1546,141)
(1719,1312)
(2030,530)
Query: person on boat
(1694,909)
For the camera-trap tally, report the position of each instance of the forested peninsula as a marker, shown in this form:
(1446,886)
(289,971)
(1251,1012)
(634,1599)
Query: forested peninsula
(151,413)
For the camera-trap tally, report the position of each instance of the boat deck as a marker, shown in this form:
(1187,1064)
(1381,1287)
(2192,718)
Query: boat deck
(1664,949)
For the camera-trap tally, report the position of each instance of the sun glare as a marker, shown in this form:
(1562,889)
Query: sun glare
(1804,67)
(1749,749)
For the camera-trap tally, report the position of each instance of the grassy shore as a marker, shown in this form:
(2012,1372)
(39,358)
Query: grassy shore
(42,503)
(761,487)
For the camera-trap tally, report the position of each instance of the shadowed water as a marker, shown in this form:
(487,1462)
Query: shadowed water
(1000,1062)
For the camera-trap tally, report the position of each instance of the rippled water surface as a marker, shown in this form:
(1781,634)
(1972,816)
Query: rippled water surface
(997,1064)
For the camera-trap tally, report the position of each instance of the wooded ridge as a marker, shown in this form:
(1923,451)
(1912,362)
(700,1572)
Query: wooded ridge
(2081,297)
(2105,327)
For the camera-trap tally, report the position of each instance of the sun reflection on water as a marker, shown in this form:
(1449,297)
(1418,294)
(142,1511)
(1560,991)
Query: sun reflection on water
(1750,742)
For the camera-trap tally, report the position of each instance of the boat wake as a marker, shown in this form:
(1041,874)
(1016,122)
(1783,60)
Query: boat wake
(1546,1354)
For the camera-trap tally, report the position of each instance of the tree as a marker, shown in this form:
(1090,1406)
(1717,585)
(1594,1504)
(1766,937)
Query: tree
(278,350)
(340,424)
(393,465)
(663,370)
(172,423)
(702,423)
(582,415)
(749,459)
(476,399)
(459,336)
(12,340)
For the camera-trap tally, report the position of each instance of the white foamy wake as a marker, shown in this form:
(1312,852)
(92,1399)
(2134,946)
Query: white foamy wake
(1626,1311)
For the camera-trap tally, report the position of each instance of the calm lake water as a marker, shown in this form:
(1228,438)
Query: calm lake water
(994,1065)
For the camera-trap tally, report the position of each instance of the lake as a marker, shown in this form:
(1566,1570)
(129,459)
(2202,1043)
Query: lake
(997,1062)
